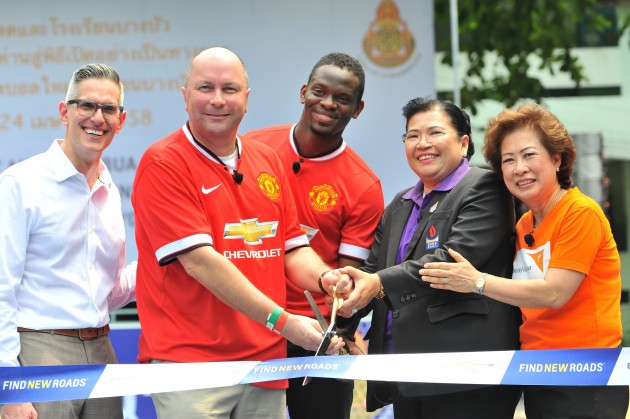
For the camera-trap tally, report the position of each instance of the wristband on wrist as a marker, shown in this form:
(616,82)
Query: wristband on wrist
(273,317)
(319,282)
(282,320)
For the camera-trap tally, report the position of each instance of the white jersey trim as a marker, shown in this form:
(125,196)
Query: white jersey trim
(299,241)
(354,252)
(165,252)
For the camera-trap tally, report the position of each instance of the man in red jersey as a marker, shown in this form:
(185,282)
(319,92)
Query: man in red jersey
(339,201)
(216,229)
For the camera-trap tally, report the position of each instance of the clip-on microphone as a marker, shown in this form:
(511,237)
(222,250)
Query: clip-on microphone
(238,177)
(529,239)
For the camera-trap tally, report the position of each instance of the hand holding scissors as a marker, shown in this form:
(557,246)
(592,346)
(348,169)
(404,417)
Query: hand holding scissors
(329,329)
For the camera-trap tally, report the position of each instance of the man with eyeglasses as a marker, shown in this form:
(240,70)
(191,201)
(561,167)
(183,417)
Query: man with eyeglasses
(63,247)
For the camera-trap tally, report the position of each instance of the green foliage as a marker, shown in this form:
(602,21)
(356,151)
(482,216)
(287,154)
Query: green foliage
(505,39)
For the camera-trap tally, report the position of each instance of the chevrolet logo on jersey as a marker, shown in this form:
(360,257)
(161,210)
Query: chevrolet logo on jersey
(251,231)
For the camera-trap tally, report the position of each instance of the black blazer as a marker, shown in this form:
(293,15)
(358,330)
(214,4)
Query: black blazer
(476,218)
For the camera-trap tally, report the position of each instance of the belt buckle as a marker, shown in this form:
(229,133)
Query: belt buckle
(80,331)
(87,334)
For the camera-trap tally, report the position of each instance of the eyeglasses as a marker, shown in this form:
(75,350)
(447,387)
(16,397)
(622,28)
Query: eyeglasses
(414,137)
(89,108)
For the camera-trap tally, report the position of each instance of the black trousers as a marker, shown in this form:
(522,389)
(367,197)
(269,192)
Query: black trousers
(321,397)
(576,402)
(493,402)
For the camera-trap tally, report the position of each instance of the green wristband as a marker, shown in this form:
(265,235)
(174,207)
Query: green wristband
(273,317)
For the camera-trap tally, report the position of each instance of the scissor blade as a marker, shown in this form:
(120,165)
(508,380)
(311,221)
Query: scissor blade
(325,343)
(323,347)
(318,314)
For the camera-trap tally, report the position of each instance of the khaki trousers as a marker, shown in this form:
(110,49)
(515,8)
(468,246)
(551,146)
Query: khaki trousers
(47,349)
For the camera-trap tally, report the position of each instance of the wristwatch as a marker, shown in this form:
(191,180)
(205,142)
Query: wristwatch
(481,283)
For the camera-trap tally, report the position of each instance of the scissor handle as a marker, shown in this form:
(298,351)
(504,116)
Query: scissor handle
(337,301)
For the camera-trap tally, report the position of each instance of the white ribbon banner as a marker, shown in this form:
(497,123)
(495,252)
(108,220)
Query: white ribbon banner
(544,367)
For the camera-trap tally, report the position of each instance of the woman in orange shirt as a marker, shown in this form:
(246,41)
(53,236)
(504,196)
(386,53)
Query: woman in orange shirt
(566,275)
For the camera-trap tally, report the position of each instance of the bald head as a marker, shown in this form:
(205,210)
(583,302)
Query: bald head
(216,94)
(215,55)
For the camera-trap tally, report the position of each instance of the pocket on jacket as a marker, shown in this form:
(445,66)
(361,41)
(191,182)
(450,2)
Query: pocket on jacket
(443,311)
(441,215)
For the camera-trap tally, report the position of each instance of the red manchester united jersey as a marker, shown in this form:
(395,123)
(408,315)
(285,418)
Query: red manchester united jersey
(184,198)
(339,201)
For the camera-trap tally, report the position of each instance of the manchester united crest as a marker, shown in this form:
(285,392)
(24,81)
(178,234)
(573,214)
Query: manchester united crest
(323,197)
(269,185)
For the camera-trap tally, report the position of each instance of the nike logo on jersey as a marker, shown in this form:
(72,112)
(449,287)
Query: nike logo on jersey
(207,191)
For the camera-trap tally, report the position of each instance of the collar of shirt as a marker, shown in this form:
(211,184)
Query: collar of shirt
(211,156)
(448,183)
(60,163)
(64,169)
(415,194)
(323,157)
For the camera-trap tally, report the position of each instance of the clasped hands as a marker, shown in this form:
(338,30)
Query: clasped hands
(358,288)
(355,287)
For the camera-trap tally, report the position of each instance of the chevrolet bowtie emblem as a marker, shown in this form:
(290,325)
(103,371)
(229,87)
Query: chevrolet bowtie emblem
(251,231)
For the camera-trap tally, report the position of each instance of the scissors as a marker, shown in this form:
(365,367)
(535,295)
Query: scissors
(330,329)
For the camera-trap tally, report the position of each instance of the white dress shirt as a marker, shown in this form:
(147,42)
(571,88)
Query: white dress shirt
(62,249)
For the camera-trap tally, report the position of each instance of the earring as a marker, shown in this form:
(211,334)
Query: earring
(557,169)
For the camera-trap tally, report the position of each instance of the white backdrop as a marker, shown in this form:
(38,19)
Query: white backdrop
(150,43)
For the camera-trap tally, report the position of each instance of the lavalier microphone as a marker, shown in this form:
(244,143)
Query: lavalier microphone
(238,177)
(529,239)
(296,166)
